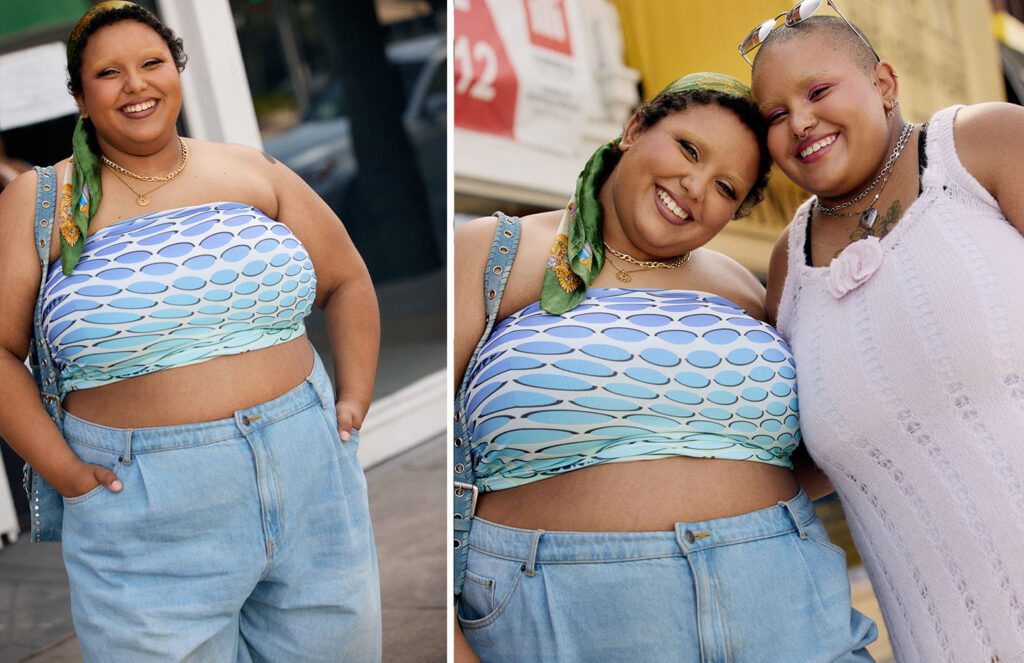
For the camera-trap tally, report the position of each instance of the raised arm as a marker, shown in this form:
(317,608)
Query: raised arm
(343,290)
(24,422)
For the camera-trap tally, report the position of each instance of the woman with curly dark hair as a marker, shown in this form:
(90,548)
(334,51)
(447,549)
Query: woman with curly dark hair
(616,337)
(189,449)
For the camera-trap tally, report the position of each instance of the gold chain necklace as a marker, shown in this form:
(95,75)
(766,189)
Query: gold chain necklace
(140,198)
(624,274)
(869,214)
(151,178)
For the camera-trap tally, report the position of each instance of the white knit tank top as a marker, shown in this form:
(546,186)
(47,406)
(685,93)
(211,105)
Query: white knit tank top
(912,401)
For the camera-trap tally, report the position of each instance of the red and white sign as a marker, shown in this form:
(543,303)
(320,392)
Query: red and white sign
(549,26)
(485,84)
(517,73)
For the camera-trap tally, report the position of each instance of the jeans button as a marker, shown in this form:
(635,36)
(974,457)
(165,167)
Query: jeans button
(245,419)
(690,538)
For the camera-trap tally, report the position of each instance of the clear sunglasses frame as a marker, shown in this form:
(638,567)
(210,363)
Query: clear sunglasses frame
(800,11)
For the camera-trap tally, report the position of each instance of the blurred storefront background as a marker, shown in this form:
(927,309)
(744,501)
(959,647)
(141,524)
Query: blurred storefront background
(539,84)
(350,94)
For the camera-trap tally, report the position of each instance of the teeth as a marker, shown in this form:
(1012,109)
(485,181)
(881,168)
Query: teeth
(817,146)
(137,108)
(669,203)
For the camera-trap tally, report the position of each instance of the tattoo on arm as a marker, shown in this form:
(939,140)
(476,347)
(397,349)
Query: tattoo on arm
(268,157)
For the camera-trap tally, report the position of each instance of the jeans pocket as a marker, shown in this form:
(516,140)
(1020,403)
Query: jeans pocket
(488,591)
(330,416)
(85,497)
(477,599)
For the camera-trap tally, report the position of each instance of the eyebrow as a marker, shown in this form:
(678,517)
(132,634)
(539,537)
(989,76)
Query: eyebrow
(800,84)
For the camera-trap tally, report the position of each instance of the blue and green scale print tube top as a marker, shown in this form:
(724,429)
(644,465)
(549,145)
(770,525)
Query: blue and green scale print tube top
(628,375)
(174,288)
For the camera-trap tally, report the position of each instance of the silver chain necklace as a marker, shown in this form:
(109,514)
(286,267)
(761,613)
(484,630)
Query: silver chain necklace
(868,215)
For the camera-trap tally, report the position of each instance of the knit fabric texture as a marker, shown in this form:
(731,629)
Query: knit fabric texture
(912,401)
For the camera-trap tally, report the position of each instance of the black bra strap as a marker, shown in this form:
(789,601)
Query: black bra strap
(922,157)
(807,237)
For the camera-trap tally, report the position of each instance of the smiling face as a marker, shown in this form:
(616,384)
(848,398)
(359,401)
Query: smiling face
(827,117)
(131,89)
(679,181)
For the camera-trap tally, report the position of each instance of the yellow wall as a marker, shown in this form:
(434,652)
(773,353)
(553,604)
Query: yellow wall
(944,51)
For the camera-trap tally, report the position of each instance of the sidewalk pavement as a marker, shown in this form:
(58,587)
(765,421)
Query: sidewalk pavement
(407,505)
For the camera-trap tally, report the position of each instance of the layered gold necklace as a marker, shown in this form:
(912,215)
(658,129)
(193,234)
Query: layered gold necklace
(142,198)
(625,275)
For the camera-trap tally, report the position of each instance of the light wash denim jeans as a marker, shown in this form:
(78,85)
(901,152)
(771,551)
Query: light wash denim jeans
(244,539)
(764,587)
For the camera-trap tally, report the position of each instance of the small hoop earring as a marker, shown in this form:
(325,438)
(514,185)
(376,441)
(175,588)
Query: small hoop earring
(891,114)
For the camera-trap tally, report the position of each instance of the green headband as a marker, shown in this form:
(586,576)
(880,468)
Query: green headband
(86,188)
(577,254)
(705,80)
(87,18)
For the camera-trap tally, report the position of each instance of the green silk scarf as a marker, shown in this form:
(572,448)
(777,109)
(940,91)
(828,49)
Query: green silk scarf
(79,206)
(577,253)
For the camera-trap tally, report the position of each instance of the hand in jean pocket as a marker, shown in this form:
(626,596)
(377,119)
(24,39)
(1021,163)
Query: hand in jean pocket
(83,478)
(350,416)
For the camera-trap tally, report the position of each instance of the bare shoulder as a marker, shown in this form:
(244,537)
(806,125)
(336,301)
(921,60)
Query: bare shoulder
(471,236)
(60,166)
(19,196)
(19,265)
(986,121)
(989,138)
(17,219)
(734,282)
(473,239)
(235,154)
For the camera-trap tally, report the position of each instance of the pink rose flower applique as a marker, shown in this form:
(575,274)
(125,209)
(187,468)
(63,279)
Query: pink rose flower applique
(854,266)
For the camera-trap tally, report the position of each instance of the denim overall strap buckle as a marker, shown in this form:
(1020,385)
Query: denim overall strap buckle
(499,262)
(46,504)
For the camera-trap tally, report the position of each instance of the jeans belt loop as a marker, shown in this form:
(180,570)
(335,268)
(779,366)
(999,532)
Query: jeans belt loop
(126,455)
(796,519)
(531,561)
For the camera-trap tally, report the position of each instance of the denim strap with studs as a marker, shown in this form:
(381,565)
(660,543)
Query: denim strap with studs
(46,506)
(499,263)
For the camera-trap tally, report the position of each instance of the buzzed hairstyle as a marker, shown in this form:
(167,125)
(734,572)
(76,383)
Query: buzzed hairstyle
(840,35)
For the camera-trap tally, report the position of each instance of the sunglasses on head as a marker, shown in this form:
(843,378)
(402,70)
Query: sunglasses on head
(799,12)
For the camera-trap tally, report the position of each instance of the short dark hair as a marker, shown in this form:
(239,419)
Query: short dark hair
(666,104)
(844,37)
(131,13)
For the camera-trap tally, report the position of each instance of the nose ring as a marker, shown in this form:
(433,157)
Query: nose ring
(803,136)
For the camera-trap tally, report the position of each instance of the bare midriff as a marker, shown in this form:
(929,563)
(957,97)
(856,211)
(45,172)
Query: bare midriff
(208,391)
(640,496)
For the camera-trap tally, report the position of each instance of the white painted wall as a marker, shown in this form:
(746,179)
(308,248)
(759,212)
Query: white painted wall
(216,97)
